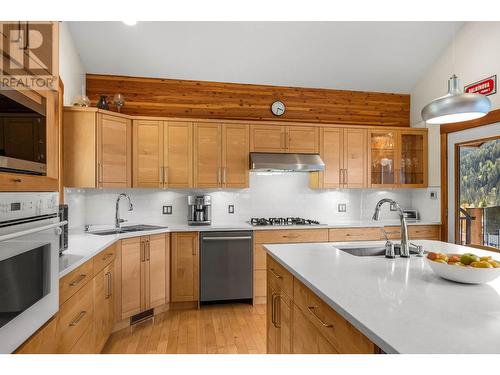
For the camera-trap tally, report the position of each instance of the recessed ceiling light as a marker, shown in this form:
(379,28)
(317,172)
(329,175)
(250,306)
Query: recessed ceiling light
(129,23)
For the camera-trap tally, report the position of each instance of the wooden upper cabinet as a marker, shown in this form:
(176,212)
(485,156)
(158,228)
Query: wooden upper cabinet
(281,138)
(184,267)
(302,139)
(148,153)
(114,151)
(235,155)
(355,158)
(207,156)
(267,138)
(332,154)
(413,157)
(344,152)
(221,155)
(97,149)
(398,158)
(178,154)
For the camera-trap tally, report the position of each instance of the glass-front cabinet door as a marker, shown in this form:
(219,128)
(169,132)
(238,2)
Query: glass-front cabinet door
(398,158)
(382,158)
(412,163)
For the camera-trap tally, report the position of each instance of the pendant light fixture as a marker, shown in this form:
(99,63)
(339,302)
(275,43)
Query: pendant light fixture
(456,106)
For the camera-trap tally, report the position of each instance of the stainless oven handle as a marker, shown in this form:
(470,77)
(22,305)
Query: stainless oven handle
(226,238)
(26,232)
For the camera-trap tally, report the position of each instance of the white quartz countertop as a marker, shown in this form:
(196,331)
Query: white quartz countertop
(82,245)
(400,304)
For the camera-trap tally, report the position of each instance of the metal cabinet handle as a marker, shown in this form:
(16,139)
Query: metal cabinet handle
(109,287)
(283,140)
(99,173)
(224,175)
(227,238)
(346,177)
(311,310)
(108,255)
(162,175)
(277,309)
(275,274)
(291,236)
(165,175)
(143,252)
(148,248)
(78,318)
(78,280)
(219,178)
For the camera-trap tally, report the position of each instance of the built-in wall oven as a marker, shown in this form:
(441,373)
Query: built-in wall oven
(29,264)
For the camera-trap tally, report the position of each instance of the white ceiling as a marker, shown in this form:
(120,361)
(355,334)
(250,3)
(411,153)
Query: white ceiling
(368,56)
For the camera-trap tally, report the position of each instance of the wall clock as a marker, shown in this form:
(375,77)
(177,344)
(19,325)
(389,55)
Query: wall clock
(278,108)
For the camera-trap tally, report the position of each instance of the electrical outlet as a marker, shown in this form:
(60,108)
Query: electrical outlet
(393,207)
(433,195)
(342,207)
(167,210)
(230,209)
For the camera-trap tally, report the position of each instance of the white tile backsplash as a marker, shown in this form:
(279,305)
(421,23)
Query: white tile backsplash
(269,194)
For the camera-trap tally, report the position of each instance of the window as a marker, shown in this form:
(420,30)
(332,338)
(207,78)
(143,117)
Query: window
(478,219)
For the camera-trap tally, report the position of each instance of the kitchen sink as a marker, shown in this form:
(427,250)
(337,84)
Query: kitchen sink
(128,229)
(369,251)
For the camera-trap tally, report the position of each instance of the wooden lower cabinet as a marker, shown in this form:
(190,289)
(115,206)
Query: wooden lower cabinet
(104,308)
(279,318)
(415,232)
(75,317)
(302,323)
(184,267)
(262,237)
(306,339)
(144,273)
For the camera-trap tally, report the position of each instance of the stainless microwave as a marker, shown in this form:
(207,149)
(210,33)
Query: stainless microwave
(23,146)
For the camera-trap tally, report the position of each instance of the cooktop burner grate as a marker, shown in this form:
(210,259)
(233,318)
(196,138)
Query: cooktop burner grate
(260,221)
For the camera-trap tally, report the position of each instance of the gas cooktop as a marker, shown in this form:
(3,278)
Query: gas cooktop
(282,221)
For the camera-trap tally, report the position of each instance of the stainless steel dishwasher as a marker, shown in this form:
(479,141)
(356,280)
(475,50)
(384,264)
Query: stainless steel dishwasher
(226,266)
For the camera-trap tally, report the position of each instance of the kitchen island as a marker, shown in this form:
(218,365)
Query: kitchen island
(399,304)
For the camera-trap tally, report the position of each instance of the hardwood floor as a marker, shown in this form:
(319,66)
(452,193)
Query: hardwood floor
(216,329)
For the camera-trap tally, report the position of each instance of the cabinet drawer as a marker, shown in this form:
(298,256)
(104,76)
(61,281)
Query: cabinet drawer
(104,258)
(291,235)
(354,234)
(84,345)
(75,318)
(280,276)
(75,280)
(339,332)
(415,232)
(424,232)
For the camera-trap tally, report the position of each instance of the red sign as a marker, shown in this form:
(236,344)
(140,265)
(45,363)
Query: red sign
(487,86)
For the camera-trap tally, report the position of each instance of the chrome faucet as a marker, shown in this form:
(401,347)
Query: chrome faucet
(118,221)
(405,243)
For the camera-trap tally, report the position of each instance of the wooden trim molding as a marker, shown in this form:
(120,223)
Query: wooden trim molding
(490,118)
(230,101)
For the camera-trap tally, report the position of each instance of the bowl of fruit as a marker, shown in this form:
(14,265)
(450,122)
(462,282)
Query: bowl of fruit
(464,268)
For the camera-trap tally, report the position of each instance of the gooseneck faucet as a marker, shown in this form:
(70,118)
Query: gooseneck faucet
(118,221)
(405,244)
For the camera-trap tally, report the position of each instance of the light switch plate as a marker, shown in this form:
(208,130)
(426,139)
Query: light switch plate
(230,209)
(342,207)
(167,210)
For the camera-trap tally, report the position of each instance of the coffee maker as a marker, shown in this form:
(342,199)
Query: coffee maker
(199,210)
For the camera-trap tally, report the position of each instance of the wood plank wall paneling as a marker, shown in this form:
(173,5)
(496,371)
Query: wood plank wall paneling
(230,101)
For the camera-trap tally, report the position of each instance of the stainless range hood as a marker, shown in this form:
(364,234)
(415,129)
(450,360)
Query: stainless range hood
(274,162)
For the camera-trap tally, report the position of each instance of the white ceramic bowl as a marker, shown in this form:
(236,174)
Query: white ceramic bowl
(468,275)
